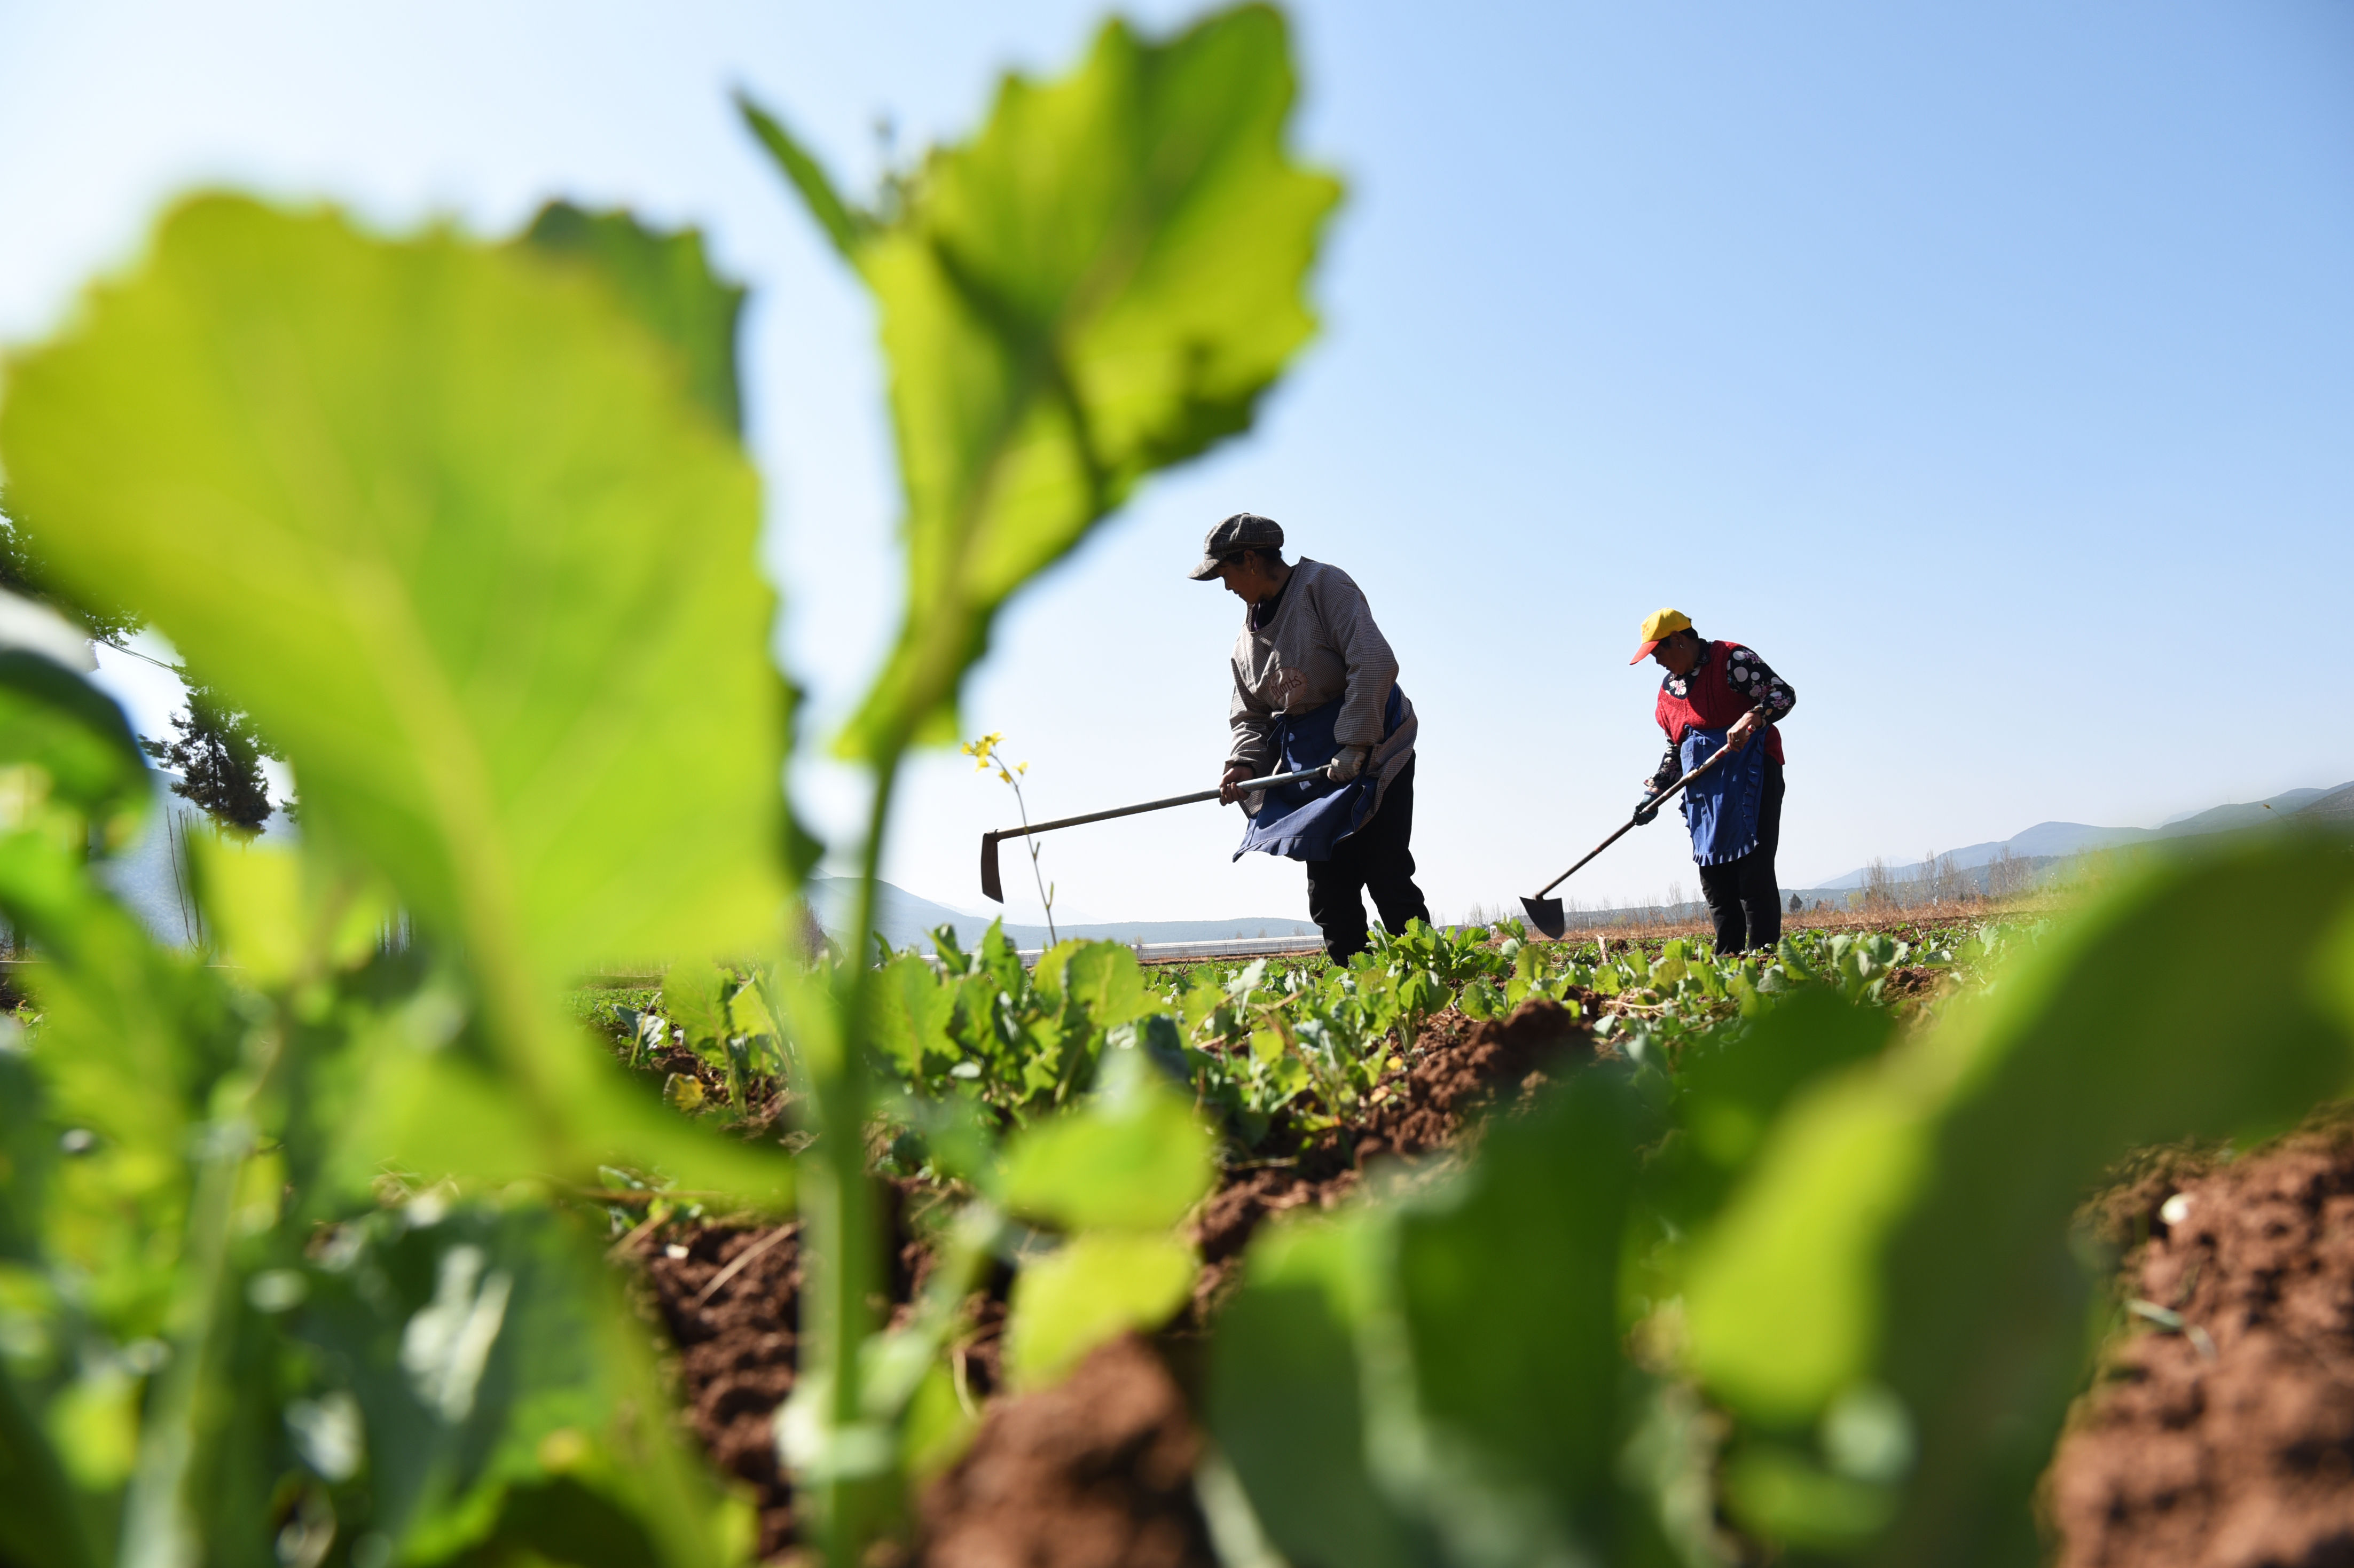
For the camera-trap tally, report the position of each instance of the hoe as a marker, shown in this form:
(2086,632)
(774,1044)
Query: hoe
(1545,913)
(995,889)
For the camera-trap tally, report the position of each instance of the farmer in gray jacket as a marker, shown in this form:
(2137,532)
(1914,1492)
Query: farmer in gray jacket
(1316,686)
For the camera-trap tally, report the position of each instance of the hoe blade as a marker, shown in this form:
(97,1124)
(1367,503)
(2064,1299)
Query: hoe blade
(1546,915)
(991,887)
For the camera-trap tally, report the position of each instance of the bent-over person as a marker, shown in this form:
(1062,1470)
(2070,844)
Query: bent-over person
(1315,686)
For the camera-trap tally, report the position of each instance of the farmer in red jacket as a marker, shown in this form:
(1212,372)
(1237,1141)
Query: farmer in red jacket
(1720,695)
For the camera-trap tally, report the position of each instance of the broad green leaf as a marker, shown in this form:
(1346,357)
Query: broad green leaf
(1136,1159)
(1102,1285)
(666,282)
(1509,1287)
(1907,1224)
(694,996)
(440,516)
(498,1375)
(1730,1086)
(1101,283)
(911,1009)
(1287,1400)
(444,519)
(1105,979)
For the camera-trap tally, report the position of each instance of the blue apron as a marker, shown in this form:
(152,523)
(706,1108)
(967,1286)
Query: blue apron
(1305,820)
(1722,809)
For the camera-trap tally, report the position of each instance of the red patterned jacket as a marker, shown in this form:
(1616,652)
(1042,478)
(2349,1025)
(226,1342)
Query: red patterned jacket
(1728,682)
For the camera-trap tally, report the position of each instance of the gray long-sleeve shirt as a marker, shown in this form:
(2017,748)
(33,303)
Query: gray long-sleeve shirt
(1320,643)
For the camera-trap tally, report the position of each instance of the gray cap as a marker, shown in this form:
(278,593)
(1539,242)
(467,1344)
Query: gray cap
(1243,531)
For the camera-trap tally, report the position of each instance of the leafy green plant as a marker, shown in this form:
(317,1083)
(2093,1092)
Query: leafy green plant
(444,473)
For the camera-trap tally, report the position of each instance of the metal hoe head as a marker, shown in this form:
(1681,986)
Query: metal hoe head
(991,887)
(1546,915)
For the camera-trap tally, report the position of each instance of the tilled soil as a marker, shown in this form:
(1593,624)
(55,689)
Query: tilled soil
(2228,1442)
(1098,1469)
(735,1347)
(1096,1472)
(1459,1069)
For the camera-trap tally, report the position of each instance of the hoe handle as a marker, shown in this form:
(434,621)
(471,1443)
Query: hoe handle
(994,889)
(1194,798)
(1661,798)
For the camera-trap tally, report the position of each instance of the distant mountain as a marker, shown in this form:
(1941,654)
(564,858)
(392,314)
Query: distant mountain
(2337,806)
(2057,841)
(904,920)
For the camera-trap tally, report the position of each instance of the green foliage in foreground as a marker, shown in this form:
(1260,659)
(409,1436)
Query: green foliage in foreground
(289,1266)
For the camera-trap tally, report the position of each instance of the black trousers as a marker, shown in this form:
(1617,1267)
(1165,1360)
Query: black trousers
(1374,859)
(1742,895)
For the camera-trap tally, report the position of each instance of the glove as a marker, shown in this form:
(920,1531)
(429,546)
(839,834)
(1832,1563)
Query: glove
(1347,764)
(1646,813)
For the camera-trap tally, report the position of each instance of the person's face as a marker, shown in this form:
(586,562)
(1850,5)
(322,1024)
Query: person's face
(1678,653)
(1247,578)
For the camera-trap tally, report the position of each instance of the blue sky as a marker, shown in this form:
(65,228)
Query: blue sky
(1989,369)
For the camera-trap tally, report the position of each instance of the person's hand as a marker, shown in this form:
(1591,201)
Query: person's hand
(1646,813)
(1236,773)
(1744,726)
(1347,763)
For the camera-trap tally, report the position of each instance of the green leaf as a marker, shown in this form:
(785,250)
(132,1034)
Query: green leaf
(54,720)
(845,225)
(1288,1403)
(493,1363)
(442,517)
(664,280)
(1136,1159)
(1099,1286)
(1099,284)
(1730,1086)
(694,996)
(1907,1224)
(37,1520)
(913,1009)
(1509,1286)
(1105,979)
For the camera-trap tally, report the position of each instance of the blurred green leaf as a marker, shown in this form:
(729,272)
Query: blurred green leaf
(1907,1224)
(1287,1399)
(54,720)
(1101,283)
(440,515)
(38,1525)
(1096,1288)
(504,1392)
(664,280)
(1135,1159)
(1730,1086)
(1509,1288)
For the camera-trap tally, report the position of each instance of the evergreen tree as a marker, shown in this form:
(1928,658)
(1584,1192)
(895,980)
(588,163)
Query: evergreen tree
(218,752)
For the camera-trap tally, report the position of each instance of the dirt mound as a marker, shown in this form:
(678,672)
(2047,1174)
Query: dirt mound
(2222,1435)
(1461,1068)
(1097,1472)
(735,1347)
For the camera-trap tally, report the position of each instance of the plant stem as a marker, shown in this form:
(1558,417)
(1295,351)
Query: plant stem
(840,1209)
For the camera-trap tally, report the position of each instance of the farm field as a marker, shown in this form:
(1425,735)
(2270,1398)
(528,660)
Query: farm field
(2197,1232)
(357,1231)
